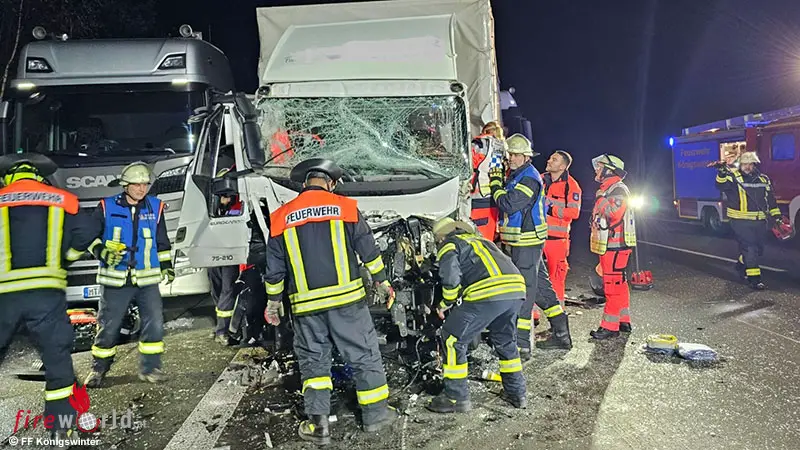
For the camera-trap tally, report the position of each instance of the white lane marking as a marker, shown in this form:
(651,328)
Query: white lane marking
(768,331)
(220,401)
(692,252)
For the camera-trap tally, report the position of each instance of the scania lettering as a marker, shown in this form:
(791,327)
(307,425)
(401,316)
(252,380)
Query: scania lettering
(89,181)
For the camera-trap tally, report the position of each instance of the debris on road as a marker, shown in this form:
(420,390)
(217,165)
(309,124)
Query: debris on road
(183,322)
(697,352)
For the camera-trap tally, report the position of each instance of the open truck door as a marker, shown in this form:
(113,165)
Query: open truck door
(204,235)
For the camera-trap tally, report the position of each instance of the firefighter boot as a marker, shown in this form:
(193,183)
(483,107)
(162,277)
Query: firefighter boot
(154,376)
(559,334)
(603,333)
(94,380)
(315,430)
(516,402)
(443,404)
(625,327)
(388,419)
(756,283)
(524,354)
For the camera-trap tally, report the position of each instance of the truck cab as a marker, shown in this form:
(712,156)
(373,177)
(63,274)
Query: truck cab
(94,106)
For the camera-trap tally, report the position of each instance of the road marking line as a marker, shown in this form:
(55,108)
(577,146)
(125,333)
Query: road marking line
(216,407)
(768,331)
(720,258)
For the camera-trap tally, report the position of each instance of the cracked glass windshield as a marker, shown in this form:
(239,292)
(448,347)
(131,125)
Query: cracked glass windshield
(371,138)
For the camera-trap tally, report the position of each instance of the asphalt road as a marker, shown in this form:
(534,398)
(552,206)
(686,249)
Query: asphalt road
(605,396)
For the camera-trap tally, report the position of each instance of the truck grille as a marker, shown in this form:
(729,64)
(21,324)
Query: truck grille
(82,279)
(168,185)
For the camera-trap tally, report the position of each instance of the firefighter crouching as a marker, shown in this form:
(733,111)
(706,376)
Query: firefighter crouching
(562,206)
(487,153)
(40,233)
(134,253)
(748,200)
(492,290)
(313,250)
(613,235)
(523,228)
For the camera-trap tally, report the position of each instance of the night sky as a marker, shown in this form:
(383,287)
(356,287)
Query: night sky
(577,66)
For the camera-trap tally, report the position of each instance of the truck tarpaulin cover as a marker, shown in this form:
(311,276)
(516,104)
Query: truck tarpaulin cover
(473,40)
(692,178)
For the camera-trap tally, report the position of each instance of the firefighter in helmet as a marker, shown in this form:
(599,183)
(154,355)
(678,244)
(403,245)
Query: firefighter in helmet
(488,150)
(42,232)
(134,253)
(613,235)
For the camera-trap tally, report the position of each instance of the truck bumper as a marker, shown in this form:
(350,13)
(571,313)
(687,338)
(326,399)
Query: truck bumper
(193,283)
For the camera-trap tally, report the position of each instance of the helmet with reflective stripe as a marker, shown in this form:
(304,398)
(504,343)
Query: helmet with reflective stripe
(26,166)
(135,173)
(749,158)
(520,145)
(611,164)
(446,225)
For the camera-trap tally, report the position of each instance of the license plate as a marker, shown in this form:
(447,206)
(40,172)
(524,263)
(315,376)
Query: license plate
(91,292)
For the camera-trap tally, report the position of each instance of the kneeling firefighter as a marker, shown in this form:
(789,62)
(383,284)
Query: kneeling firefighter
(316,242)
(134,253)
(41,233)
(523,229)
(492,290)
(612,237)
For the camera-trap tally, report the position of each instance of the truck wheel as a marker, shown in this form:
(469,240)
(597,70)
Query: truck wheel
(712,222)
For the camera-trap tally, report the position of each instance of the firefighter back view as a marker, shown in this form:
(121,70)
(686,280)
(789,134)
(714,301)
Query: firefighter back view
(492,290)
(134,253)
(613,235)
(316,241)
(39,233)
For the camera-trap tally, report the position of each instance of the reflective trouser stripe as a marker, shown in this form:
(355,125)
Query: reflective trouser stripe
(452,369)
(98,352)
(58,394)
(510,366)
(224,314)
(524,324)
(151,348)
(318,383)
(373,395)
(753,272)
(553,311)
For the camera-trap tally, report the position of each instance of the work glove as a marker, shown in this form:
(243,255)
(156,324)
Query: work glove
(273,312)
(384,293)
(496,174)
(110,253)
(168,274)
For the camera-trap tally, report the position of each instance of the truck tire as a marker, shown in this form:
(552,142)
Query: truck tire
(712,222)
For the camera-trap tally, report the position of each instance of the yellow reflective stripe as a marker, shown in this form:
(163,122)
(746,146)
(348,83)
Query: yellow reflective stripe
(553,311)
(329,302)
(148,246)
(494,281)
(492,183)
(116,235)
(340,251)
(373,395)
(328,291)
(94,244)
(774,212)
(5,241)
(482,294)
(445,248)
(296,259)
(33,272)
(723,179)
(164,256)
(510,365)
(151,348)
(223,314)
(753,272)
(74,255)
(483,254)
(98,352)
(747,215)
(451,369)
(450,294)
(498,193)
(57,394)
(318,384)
(375,266)
(524,324)
(524,189)
(274,289)
(27,285)
(55,234)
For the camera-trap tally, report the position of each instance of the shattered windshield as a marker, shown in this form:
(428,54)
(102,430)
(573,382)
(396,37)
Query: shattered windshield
(69,121)
(370,138)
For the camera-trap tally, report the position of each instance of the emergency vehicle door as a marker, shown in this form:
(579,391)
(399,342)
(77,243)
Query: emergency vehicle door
(212,228)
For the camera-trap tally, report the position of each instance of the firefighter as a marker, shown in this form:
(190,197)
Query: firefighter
(562,206)
(316,242)
(41,232)
(491,289)
(613,235)
(223,278)
(523,229)
(134,253)
(487,153)
(749,199)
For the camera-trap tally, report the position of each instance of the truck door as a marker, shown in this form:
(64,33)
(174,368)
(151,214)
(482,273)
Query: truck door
(212,229)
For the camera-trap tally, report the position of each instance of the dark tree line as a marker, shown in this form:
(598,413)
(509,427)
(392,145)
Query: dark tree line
(76,18)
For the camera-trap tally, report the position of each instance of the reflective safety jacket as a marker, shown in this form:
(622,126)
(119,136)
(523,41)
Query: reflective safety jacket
(142,230)
(521,205)
(613,223)
(475,269)
(315,244)
(564,197)
(487,153)
(747,196)
(40,231)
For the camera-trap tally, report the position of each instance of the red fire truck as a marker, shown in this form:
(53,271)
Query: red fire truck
(772,135)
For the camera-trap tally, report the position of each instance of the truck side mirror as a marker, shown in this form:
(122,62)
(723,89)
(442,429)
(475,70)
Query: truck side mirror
(225,186)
